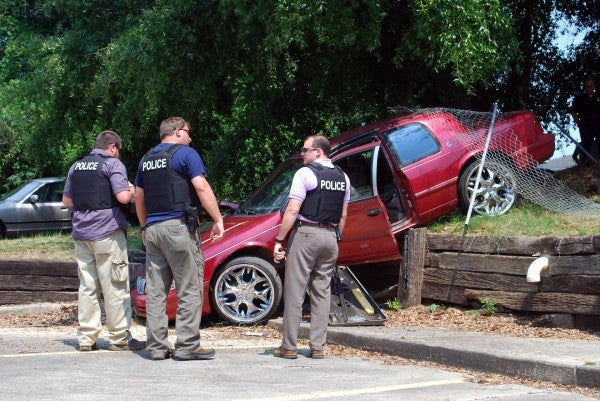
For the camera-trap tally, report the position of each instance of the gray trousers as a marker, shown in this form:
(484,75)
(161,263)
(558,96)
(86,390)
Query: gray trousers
(173,255)
(310,263)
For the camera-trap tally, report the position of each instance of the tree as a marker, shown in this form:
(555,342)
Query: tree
(253,78)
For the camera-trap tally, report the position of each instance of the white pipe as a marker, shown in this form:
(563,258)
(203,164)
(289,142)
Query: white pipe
(535,269)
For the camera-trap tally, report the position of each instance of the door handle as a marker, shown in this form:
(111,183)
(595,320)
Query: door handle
(373,212)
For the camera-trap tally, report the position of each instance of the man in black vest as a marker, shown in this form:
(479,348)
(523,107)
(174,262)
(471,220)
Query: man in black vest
(171,179)
(96,186)
(317,209)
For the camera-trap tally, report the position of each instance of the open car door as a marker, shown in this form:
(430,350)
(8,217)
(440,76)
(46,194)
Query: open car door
(367,236)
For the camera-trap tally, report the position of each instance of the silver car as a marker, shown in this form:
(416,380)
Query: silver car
(35,206)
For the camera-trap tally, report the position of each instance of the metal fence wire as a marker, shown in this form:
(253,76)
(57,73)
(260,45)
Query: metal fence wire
(507,152)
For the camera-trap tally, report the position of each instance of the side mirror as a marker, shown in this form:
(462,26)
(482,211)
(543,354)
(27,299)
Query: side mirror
(33,198)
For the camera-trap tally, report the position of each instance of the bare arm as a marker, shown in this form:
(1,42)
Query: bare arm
(67,201)
(210,204)
(125,197)
(140,210)
(289,217)
(287,222)
(342,222)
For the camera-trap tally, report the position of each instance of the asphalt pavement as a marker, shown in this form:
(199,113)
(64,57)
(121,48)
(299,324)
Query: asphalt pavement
(571,362)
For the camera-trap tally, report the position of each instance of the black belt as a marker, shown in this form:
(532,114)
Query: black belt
(300,223)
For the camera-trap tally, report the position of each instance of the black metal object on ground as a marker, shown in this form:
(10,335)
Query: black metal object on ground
(351,304)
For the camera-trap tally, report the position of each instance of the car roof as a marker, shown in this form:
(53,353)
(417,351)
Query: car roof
(46,180)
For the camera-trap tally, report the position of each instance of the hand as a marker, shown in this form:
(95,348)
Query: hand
(278,253)
(217,231)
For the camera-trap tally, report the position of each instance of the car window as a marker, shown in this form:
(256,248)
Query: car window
(52,192)
(358,168)
(19,193)
(411,143)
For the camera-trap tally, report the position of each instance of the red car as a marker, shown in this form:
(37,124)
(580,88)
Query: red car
(405,171)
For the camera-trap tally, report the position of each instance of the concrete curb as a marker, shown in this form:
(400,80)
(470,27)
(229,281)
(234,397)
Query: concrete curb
(556,361)
(42,307)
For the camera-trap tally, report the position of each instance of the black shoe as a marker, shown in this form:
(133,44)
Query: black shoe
(199,354)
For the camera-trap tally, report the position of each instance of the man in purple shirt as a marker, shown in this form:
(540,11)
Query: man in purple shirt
(316,211)
(96,187)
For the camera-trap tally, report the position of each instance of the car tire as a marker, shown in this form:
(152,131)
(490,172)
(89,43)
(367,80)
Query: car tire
(496,193)
(247,290)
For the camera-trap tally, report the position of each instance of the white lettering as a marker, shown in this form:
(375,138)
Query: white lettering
(333,185)
(86,166)
(154,164)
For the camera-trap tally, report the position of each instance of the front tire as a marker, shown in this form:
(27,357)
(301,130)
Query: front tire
(496,193)
(246,290)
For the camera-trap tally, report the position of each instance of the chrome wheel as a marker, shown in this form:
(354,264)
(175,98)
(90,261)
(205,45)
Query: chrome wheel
(496,193)
(246,290)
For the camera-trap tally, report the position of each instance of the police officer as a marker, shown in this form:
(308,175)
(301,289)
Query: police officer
(96,187)
(171,179)
(316,211)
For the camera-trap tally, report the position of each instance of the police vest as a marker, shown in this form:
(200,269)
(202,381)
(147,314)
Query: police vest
(164,189)
(90,187)
(324,203)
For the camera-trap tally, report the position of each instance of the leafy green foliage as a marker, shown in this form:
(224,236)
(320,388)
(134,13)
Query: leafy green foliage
(255,78)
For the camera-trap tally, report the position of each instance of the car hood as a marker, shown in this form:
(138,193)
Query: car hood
(241,232)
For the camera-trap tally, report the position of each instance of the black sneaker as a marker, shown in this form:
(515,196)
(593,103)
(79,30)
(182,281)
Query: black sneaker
(199,354)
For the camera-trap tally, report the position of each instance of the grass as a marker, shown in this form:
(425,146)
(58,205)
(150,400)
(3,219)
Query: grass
(526,219)
(57,246)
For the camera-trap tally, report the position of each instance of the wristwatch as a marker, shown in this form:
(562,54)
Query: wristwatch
(278,241)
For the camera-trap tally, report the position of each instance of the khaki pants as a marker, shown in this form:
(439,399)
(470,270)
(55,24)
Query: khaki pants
(103,270)
(173,255)
(310,263)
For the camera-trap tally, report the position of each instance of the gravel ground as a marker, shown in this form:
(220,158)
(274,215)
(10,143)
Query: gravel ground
(66,320)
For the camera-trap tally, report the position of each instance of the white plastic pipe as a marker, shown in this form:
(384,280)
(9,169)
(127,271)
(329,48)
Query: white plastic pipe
(536,268)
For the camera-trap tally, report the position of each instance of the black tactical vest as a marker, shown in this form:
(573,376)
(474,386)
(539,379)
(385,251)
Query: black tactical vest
(324,203)
(164,189)
(90,187)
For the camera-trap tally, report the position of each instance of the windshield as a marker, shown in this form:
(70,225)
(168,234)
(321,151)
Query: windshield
(20,193)
(273,193)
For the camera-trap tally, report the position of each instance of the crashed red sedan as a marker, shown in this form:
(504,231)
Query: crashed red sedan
(405,171)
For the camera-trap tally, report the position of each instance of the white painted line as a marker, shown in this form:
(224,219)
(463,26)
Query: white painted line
(358,391)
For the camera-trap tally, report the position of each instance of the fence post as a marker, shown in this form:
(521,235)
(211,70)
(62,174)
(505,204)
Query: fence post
(410,281)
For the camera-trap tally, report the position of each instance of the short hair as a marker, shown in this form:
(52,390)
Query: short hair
(168,126)
(107,138)
(319,141)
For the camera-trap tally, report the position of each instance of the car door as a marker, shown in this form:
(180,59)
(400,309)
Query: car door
(367,236)
(44,210)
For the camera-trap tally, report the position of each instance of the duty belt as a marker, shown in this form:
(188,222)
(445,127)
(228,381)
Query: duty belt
(300,223)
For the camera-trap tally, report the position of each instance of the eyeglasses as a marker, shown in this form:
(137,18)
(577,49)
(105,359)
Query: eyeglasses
(187,131)
(304,150)
(117,146)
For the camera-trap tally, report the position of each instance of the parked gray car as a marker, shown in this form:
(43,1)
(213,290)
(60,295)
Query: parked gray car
(36,206)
